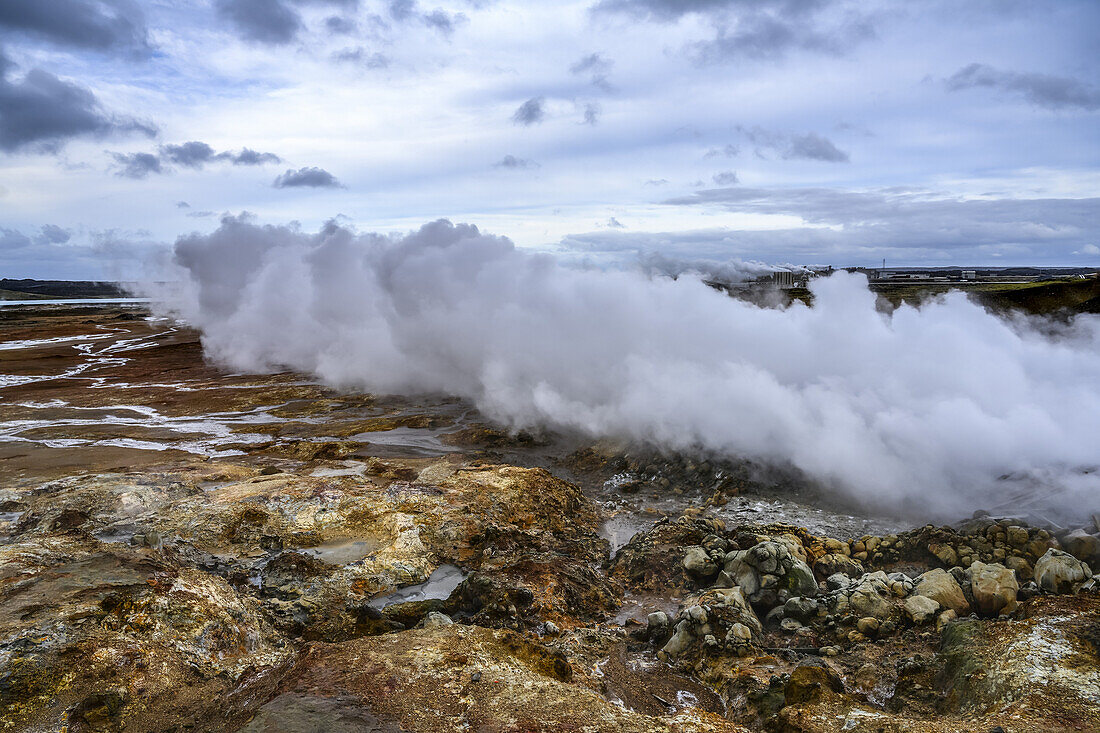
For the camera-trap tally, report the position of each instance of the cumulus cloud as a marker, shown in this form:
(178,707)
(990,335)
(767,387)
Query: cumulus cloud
(925,410)
(1052,92)
(309,177)
(42,112)
(100,25)
(725,178)
(511,161)
(137,165)
(615,223)
(530,112)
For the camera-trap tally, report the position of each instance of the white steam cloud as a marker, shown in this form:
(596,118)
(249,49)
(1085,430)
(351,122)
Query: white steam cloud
(925,409)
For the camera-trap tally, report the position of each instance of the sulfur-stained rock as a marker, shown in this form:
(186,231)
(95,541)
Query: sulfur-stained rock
(810,681)
(652,560)
(452,678)
(994,588)
(1041,667)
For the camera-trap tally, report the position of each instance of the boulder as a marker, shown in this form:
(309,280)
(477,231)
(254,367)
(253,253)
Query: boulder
(1060,572)
(869,597)
(726,606)
(800,579)
(771,558)
(835,563)
(800,608)
(435,620)
(940,586)
(699,563)
(994,588)
(920,608)
(741,573)
(1082,545)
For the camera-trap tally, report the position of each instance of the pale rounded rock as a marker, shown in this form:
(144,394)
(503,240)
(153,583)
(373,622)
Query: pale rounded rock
(920,608)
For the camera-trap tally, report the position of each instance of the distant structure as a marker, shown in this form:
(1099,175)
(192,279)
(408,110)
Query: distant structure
(785,279)
(969,276)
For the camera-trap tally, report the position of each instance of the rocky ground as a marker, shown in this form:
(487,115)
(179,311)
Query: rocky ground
(184,549)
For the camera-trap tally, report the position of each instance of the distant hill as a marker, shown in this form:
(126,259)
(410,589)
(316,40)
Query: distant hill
(43,289)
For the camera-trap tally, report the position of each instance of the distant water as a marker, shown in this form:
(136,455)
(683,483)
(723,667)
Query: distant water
(75,301)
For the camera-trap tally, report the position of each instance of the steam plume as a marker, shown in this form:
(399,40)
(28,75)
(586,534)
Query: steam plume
(922,409)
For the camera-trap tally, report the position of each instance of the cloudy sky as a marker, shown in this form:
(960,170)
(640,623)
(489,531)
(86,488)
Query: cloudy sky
(785,131)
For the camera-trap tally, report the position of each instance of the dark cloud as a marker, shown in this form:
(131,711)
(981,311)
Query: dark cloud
(52,253)
(192,154)
(248,156)
(1053,92)
(755,29)
(814,147)
(511,161)
(103,25)
(308,178)
(439,20)
(402,9)
(725,178)
(728,151)
(137,165)
(597,66)
(338,24)
(591,113)
(361,56)
(766,37)
(853,221)
(593,62)
(55,234)
(809,146)
(661,10)
(43,112)
(530,112)
(262,21)
(182,205)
